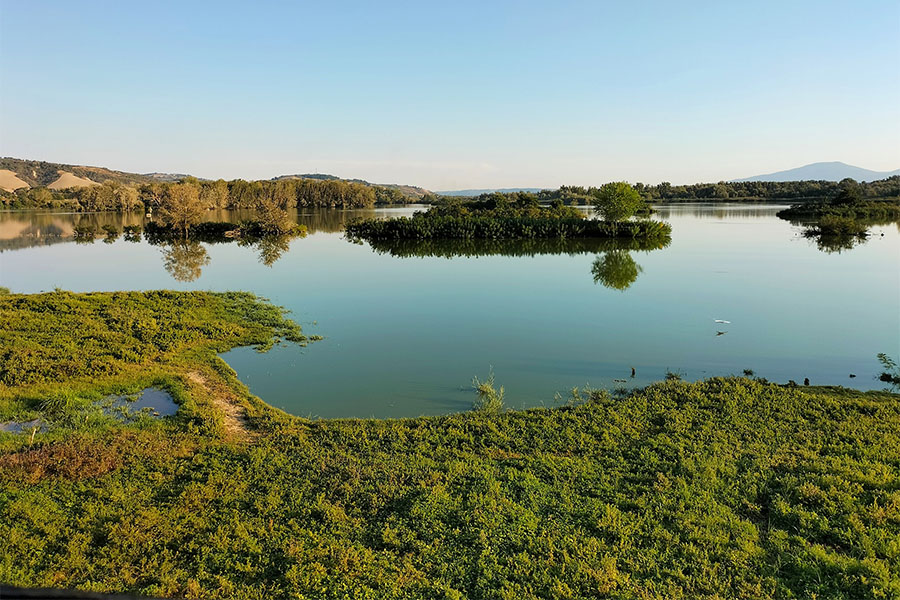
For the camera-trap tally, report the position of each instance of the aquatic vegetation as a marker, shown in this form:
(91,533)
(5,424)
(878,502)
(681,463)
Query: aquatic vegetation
(420,227)
(490,399)
(729,487)
(891,373)
(835,233)
(56,336)
(837,226)
(500,217)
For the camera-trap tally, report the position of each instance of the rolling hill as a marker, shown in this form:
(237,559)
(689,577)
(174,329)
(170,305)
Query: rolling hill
(410,191)
(472,193)
(16,173)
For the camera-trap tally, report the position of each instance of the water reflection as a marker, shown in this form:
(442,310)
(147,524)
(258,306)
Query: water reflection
(613,267)
(616,270)
(26,229)
(271,248)
(185,260)
(455,248)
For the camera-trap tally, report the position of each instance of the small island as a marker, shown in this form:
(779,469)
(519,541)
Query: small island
(519,215)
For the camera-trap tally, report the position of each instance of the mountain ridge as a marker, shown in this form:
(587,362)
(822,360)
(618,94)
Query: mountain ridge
(823,171)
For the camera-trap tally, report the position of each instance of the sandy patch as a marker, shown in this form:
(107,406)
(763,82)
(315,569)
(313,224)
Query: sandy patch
(234,417)
(69,180)
(10,182)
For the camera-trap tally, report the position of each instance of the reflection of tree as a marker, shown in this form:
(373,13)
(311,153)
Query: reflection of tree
(451,248)
(838,243)
(272,247)
(185,260)
(616,269)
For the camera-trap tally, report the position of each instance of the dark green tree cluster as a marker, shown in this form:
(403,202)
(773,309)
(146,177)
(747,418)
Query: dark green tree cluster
(768,190)
(497,204)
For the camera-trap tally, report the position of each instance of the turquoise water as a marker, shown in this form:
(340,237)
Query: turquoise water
(407,328)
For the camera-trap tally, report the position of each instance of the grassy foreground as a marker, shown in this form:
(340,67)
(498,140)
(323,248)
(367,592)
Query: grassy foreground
(726,488)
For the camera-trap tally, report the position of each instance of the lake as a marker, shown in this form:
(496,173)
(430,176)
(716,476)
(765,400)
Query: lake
(407,326)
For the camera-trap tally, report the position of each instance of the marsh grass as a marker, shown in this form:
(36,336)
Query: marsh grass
(723,488)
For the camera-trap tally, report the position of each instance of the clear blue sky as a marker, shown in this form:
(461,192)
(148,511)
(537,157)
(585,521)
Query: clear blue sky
(453,94)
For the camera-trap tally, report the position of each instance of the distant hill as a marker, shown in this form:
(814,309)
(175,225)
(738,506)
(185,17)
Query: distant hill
(487,191)
(824,171)
(410,191)
(39,173)
(17,173)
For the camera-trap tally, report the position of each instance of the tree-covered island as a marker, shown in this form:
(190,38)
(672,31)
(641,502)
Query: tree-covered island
(519,215)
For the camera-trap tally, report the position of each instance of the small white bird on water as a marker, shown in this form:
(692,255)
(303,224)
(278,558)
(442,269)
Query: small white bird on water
(721,321)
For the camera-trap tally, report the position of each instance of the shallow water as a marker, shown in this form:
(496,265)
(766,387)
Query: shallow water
(153,402)
(22,426)
(408,326)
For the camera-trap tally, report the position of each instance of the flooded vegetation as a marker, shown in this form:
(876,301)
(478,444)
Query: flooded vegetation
(131,395)
(596,307)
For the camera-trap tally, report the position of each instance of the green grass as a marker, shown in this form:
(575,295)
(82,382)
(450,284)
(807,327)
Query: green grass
(725,488)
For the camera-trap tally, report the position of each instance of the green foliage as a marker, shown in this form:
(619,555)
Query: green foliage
(490,399)
(870,209)
(849,193)
(617,201)
(841,226)
(727,488)
(724,488)
(509,205)
(835,233)
(423,226)
(60,335)
(766,190)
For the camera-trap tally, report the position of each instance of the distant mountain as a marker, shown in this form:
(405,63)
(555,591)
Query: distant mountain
(487,191)
(824,171)
(412,192)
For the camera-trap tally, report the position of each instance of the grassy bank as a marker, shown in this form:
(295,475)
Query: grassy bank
(726,488)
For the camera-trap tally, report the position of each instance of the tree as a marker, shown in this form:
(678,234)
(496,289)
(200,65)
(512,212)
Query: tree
(215,194)
(181,206)
(273,219)
(848,194)
(617,201)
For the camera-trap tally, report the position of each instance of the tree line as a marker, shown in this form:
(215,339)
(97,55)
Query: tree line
(219,194)
(735,190)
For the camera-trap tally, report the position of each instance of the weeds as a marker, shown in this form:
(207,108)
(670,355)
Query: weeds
(490,399)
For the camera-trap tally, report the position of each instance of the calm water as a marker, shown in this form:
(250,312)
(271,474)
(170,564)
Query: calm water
(407,327)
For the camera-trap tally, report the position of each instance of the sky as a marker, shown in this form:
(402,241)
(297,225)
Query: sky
(453,95)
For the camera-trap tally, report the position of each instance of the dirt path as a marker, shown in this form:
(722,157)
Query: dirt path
(234,416)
